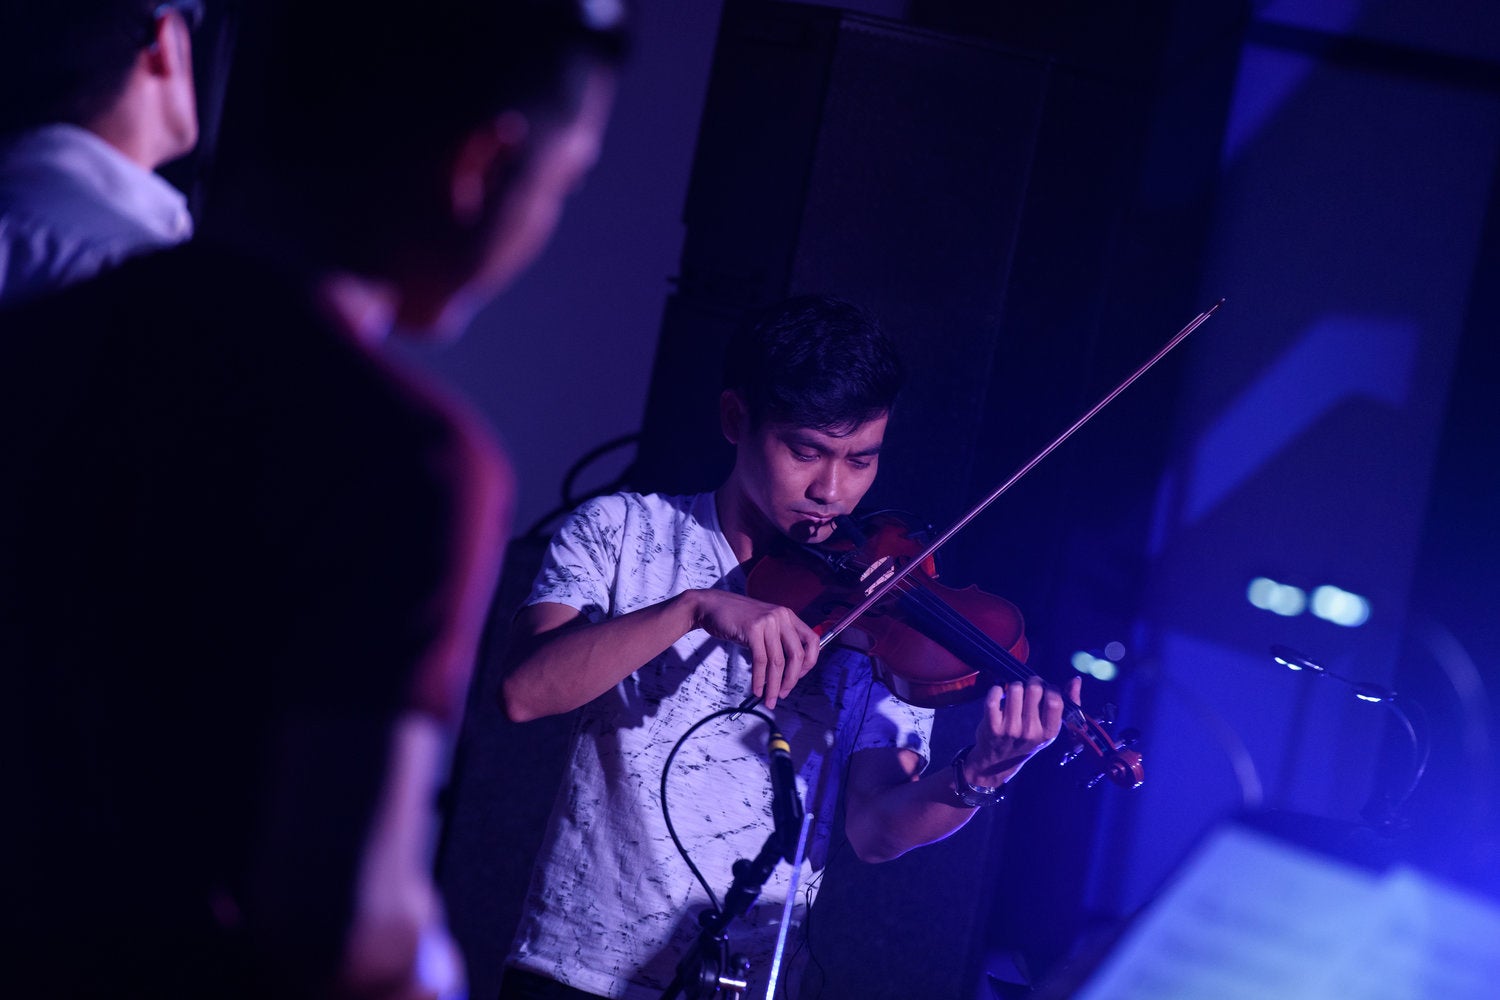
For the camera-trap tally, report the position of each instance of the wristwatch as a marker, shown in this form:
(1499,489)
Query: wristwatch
(973,796)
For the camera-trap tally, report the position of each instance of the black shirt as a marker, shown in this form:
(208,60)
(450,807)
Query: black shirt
(227,553)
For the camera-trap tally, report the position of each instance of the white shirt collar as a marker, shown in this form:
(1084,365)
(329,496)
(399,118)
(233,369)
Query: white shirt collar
(96,165)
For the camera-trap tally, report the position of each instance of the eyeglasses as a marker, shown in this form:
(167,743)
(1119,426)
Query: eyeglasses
(190,11)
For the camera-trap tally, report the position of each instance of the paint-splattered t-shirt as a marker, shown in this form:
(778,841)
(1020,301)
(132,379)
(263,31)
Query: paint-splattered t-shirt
(612,906)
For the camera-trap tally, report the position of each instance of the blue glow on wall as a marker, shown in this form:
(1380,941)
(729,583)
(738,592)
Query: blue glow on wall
(1338,359)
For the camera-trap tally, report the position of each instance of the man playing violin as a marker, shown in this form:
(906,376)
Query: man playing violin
(639,616)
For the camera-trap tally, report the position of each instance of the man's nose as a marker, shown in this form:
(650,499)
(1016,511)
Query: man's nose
(828,486)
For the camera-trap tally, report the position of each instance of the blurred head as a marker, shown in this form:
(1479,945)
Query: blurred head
(808,389)
(121,68)
(429,145)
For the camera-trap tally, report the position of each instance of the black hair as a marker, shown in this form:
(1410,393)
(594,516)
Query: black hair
(339,109)
(345,83)
(813,361)
(66,62)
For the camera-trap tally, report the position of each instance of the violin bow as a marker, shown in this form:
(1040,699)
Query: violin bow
(893,580)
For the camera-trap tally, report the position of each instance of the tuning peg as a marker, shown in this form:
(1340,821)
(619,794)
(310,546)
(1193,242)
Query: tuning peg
(1072,754)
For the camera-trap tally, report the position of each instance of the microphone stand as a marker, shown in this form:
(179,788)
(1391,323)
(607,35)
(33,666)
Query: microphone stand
(1382,811)
(708,970)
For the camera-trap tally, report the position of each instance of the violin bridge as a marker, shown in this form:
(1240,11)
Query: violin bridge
(885,566)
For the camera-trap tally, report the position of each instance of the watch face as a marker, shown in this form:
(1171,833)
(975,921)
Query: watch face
(972,796)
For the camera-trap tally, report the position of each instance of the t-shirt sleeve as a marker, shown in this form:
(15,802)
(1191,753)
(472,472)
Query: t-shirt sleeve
(583,560)
(889,722)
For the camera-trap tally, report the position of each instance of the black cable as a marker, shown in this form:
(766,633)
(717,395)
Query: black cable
(589,458)
(1421,748)
(666,769)
(569,501)
(804,940)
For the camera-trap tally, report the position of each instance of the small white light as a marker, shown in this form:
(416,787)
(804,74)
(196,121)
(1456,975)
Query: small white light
(1259,592)
(1279,598)
(1087,663)
(1289,601)
(1339,606)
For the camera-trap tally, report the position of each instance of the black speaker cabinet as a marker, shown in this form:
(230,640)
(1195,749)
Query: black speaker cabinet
(859,158)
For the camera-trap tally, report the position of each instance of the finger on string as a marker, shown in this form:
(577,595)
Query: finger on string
(1052,711)
(1014,706)
(1038,694)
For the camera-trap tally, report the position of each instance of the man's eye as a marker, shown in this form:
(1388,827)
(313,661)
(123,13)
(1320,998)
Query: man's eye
(804,456)
(859,463)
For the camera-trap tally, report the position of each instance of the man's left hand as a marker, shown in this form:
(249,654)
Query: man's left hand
(1019,720)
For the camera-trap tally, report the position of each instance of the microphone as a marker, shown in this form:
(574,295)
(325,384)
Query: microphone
(1289,657)
(1363,690)
(786,803)
(1383,810)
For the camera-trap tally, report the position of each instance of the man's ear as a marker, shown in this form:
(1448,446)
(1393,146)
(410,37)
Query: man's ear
(734,416)
(159,99)
(170,51)
(481,162)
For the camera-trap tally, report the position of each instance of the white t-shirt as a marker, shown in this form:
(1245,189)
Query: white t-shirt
(612,906)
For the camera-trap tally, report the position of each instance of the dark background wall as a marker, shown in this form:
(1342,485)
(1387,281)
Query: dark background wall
(1329,167)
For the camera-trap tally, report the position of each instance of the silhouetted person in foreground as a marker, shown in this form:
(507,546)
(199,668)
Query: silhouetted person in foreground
(244,555)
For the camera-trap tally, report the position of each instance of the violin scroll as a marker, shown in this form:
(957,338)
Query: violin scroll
(1123,768)
(1117,760)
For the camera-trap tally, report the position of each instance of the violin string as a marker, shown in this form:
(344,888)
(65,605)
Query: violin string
(1083,726)
(939,610)
(934,606)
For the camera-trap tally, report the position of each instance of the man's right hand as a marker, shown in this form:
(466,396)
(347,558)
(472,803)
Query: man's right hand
(557,661)
(782,647)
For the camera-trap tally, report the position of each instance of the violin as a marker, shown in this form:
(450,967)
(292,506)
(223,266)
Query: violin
(929,644)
